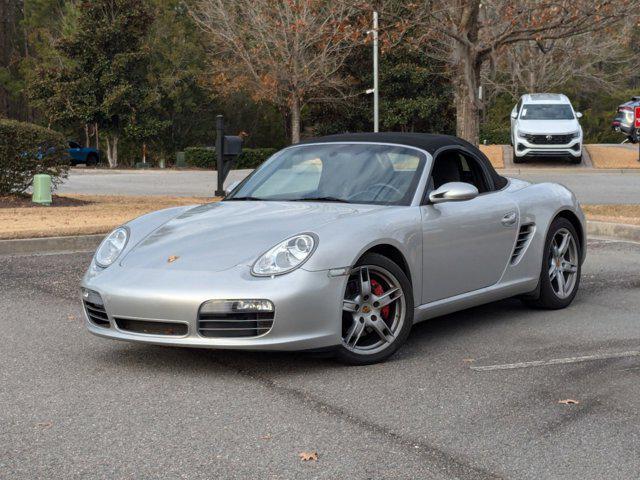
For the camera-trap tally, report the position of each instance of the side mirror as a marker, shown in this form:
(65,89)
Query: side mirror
(514,114)
(454,192)
(578,115)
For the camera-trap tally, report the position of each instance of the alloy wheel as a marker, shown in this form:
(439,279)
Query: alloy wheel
(563,263)
(373,311)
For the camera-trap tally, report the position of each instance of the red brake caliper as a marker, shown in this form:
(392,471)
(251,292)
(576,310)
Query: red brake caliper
(377,290)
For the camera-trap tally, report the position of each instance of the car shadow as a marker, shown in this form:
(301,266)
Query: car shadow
(205,361)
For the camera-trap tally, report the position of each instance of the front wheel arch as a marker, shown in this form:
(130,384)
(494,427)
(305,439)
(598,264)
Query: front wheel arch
(393,254)
(577,224)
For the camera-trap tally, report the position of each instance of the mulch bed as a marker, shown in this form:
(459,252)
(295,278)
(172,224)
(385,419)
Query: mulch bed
(24,201)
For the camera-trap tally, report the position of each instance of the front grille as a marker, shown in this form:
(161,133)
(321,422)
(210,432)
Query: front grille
(549,139)
(234,324)
(524,237)
(97,314)
(150,327)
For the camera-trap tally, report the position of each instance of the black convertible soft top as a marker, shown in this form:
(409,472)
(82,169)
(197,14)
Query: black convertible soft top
(425,141)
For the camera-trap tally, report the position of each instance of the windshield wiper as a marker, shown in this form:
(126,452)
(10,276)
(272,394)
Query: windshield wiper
(320,199)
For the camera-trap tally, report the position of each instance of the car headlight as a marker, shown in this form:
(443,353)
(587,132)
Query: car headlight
(575,134)
(111,247)
(286,256)
(522,135)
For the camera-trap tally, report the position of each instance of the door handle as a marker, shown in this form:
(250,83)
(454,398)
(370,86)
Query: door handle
(509,219)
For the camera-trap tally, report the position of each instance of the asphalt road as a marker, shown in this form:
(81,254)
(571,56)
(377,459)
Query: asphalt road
(590,187)
(77,406)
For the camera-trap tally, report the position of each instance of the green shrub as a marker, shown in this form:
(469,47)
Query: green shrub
(254,157)
(495,135)
(26,150)
(201,157)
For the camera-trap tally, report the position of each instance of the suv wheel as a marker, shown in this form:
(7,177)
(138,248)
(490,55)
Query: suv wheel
(517,159)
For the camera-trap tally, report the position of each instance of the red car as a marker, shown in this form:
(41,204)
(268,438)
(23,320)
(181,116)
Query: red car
(624,121)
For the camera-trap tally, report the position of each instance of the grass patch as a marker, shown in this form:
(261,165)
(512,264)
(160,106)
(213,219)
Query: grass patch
(95,214)
(79,214)
(613,157)
(629,214)
(495,155)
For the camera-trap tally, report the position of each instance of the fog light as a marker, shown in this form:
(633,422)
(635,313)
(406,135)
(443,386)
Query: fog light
(92,297)
(241,306)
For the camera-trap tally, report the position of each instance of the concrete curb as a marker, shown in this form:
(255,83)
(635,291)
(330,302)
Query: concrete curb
(614,231)
(86,243)
(79,243)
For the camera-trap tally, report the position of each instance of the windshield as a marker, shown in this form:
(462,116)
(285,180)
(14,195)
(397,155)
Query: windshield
(548,111)
(350,173)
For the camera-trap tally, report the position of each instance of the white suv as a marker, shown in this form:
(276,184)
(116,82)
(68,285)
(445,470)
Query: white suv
(545,124)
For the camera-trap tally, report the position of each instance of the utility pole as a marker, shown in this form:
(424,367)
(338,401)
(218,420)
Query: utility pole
(376,119)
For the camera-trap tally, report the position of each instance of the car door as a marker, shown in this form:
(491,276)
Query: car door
(466,244)
(75,151)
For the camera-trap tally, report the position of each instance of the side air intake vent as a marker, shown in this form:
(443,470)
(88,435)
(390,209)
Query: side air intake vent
(524,237)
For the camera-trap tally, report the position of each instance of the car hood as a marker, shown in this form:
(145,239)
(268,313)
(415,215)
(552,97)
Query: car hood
(219,236)
(546,127)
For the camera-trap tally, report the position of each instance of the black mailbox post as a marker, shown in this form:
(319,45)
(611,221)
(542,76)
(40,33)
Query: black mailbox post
(228,148)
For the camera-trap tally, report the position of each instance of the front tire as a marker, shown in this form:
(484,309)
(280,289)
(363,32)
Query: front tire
(561,268)
(517,159)
(377,311)
(576,160)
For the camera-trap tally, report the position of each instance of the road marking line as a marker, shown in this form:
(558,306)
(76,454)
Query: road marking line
(557,361)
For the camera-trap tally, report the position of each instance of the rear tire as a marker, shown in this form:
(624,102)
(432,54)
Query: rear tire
(92,160)
(560,269)
(381,327)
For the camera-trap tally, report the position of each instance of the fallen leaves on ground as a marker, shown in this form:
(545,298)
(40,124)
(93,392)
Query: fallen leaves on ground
(569,401)
(45,425)
(308,456)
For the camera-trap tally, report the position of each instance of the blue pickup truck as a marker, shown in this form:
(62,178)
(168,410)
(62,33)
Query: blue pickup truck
(87,155)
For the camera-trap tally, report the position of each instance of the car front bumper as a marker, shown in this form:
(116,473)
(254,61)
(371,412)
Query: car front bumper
(307,306)
(525,148)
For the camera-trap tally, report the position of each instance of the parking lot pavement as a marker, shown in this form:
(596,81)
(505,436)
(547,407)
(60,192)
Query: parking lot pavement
(589,187)
(74,405)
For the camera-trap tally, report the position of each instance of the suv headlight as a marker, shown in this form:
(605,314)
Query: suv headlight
(522,135)
(575,134)
(286,256)
(111,247)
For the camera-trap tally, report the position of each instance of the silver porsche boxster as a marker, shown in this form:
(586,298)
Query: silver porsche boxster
(341,243)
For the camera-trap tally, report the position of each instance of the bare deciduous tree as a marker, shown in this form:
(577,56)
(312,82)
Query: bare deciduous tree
(469,32)
(289,52)
(597,62)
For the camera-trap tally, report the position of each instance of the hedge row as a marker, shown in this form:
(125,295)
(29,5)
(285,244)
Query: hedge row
(26,150)
(201,157)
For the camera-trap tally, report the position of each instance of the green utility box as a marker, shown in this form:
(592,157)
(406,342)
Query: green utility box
(41,189)
(181,161)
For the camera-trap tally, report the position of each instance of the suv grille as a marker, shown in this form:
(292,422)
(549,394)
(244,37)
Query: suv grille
(549,139)
(234,324)
(97,314)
